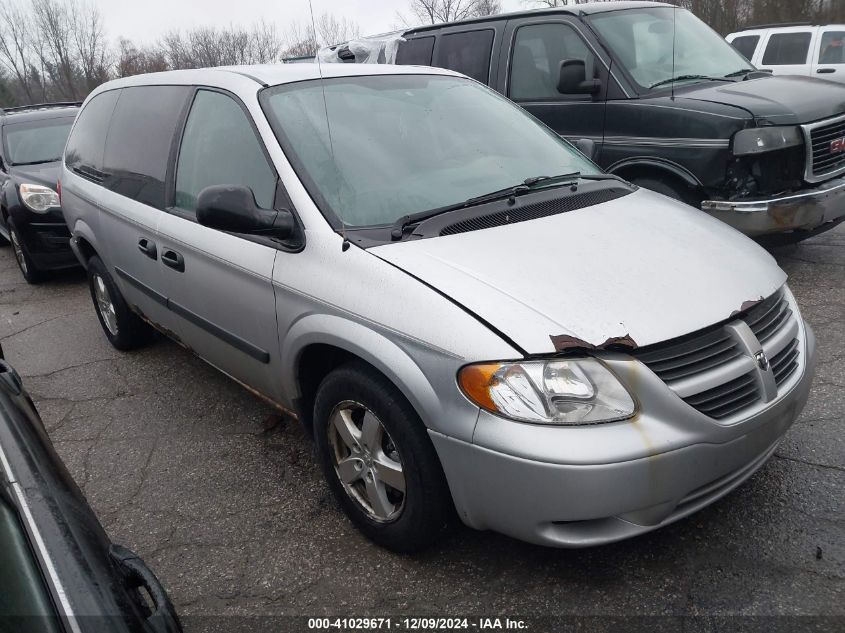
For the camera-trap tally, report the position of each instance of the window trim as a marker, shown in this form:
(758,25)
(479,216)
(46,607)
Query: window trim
(569,99)
(756,36)
(773,34)
(281,199)
(438,43)
(188,97)
(433,39)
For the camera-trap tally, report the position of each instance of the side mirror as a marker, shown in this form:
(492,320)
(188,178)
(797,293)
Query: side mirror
(587,147)
(573,78)
(233,208)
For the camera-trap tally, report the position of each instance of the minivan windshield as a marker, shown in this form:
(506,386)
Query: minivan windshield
(35,142)
(645,40)
(385,146)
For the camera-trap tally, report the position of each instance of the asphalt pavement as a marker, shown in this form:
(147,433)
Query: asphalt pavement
(224,500)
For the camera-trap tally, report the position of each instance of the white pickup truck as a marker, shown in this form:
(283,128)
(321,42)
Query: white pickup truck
(800,49)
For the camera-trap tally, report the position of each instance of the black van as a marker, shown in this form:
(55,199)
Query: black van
(670,105)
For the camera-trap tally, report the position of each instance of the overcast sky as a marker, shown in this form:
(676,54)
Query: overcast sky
(146,20)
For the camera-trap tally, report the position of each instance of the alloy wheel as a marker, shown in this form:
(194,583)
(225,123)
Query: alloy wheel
(367,461)
(105,305)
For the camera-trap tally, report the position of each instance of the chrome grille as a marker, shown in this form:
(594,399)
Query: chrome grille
(714,372)
(822,160)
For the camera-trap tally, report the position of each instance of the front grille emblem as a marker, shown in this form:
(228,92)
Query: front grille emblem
(837,145)
(762,360)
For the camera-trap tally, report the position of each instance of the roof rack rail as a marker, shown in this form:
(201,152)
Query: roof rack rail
(780,24)
(38,106)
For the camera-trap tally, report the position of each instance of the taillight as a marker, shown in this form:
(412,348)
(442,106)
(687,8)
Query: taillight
(59,189)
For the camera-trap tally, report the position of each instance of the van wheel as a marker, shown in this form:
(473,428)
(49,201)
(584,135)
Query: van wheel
(378,459)
(676,191)
(124,329)
(22,256)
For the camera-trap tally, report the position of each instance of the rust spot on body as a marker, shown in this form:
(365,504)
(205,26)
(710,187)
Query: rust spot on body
(746,306)
(564,342)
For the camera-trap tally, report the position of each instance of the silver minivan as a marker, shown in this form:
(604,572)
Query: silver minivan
(465,312)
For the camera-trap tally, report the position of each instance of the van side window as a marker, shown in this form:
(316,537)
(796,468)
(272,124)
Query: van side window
(468,53)
(219,147)
(537,53)
(87,141)
(139,141)
(787,48)
(832,49)
(746,45)
(416,52)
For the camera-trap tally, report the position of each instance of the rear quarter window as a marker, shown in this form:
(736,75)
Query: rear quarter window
(84,151)
(139,141)
(416,52)
(787,48)
(467,53)
(746,45)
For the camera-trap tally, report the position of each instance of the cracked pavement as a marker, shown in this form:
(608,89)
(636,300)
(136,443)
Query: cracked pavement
(224,500)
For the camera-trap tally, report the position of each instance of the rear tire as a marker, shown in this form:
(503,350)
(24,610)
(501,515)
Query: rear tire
(123,328)
(393,487)
(27,267)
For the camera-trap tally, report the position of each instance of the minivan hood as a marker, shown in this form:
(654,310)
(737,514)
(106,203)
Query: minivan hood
(783,100)
(46,174)
(637,270)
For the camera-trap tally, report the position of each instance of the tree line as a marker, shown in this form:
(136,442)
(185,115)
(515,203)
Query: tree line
(58,50)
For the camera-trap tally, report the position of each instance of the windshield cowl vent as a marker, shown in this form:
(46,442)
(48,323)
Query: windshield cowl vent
(536,210)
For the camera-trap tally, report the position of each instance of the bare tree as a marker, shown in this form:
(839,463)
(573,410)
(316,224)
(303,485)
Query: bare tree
(89,40)
(54,22)
(16,45)
(132,60)
(436,11)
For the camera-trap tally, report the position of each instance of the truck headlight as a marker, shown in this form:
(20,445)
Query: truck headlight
(759,140)
(556,391)
(38,198)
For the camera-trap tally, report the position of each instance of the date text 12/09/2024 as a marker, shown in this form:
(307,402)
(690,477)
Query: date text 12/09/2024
(417,624)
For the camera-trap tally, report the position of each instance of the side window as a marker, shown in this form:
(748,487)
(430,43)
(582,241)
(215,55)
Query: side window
(832,49)
(84,151)
(787,48)
(746,45)
(468,53)
(138,145)
(537,53)
(219,147)
(416,52)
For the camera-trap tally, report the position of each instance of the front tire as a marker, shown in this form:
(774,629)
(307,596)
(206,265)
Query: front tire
(378,459)
(124,329)
(27,267)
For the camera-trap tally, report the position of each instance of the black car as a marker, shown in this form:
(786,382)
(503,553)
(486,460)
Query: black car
(668,103)
(32,139)
(59,572)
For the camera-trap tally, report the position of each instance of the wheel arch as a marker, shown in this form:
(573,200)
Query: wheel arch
(83,243)
(654,167)
(319,343)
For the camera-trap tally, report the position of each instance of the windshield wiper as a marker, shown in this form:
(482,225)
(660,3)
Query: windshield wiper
(739,73)
(37,162)
(529,184)
(684,77)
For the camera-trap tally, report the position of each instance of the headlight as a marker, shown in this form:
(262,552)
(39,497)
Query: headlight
(556,391)
(765,139)
(39,199)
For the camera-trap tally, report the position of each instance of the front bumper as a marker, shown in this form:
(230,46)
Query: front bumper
(810,210)
(583,486)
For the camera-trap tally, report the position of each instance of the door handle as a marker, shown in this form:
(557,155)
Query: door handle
(826,70)
(173,260)
(147,247)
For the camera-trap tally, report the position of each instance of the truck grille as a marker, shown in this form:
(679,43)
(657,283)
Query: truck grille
(826,159)
(713,372)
